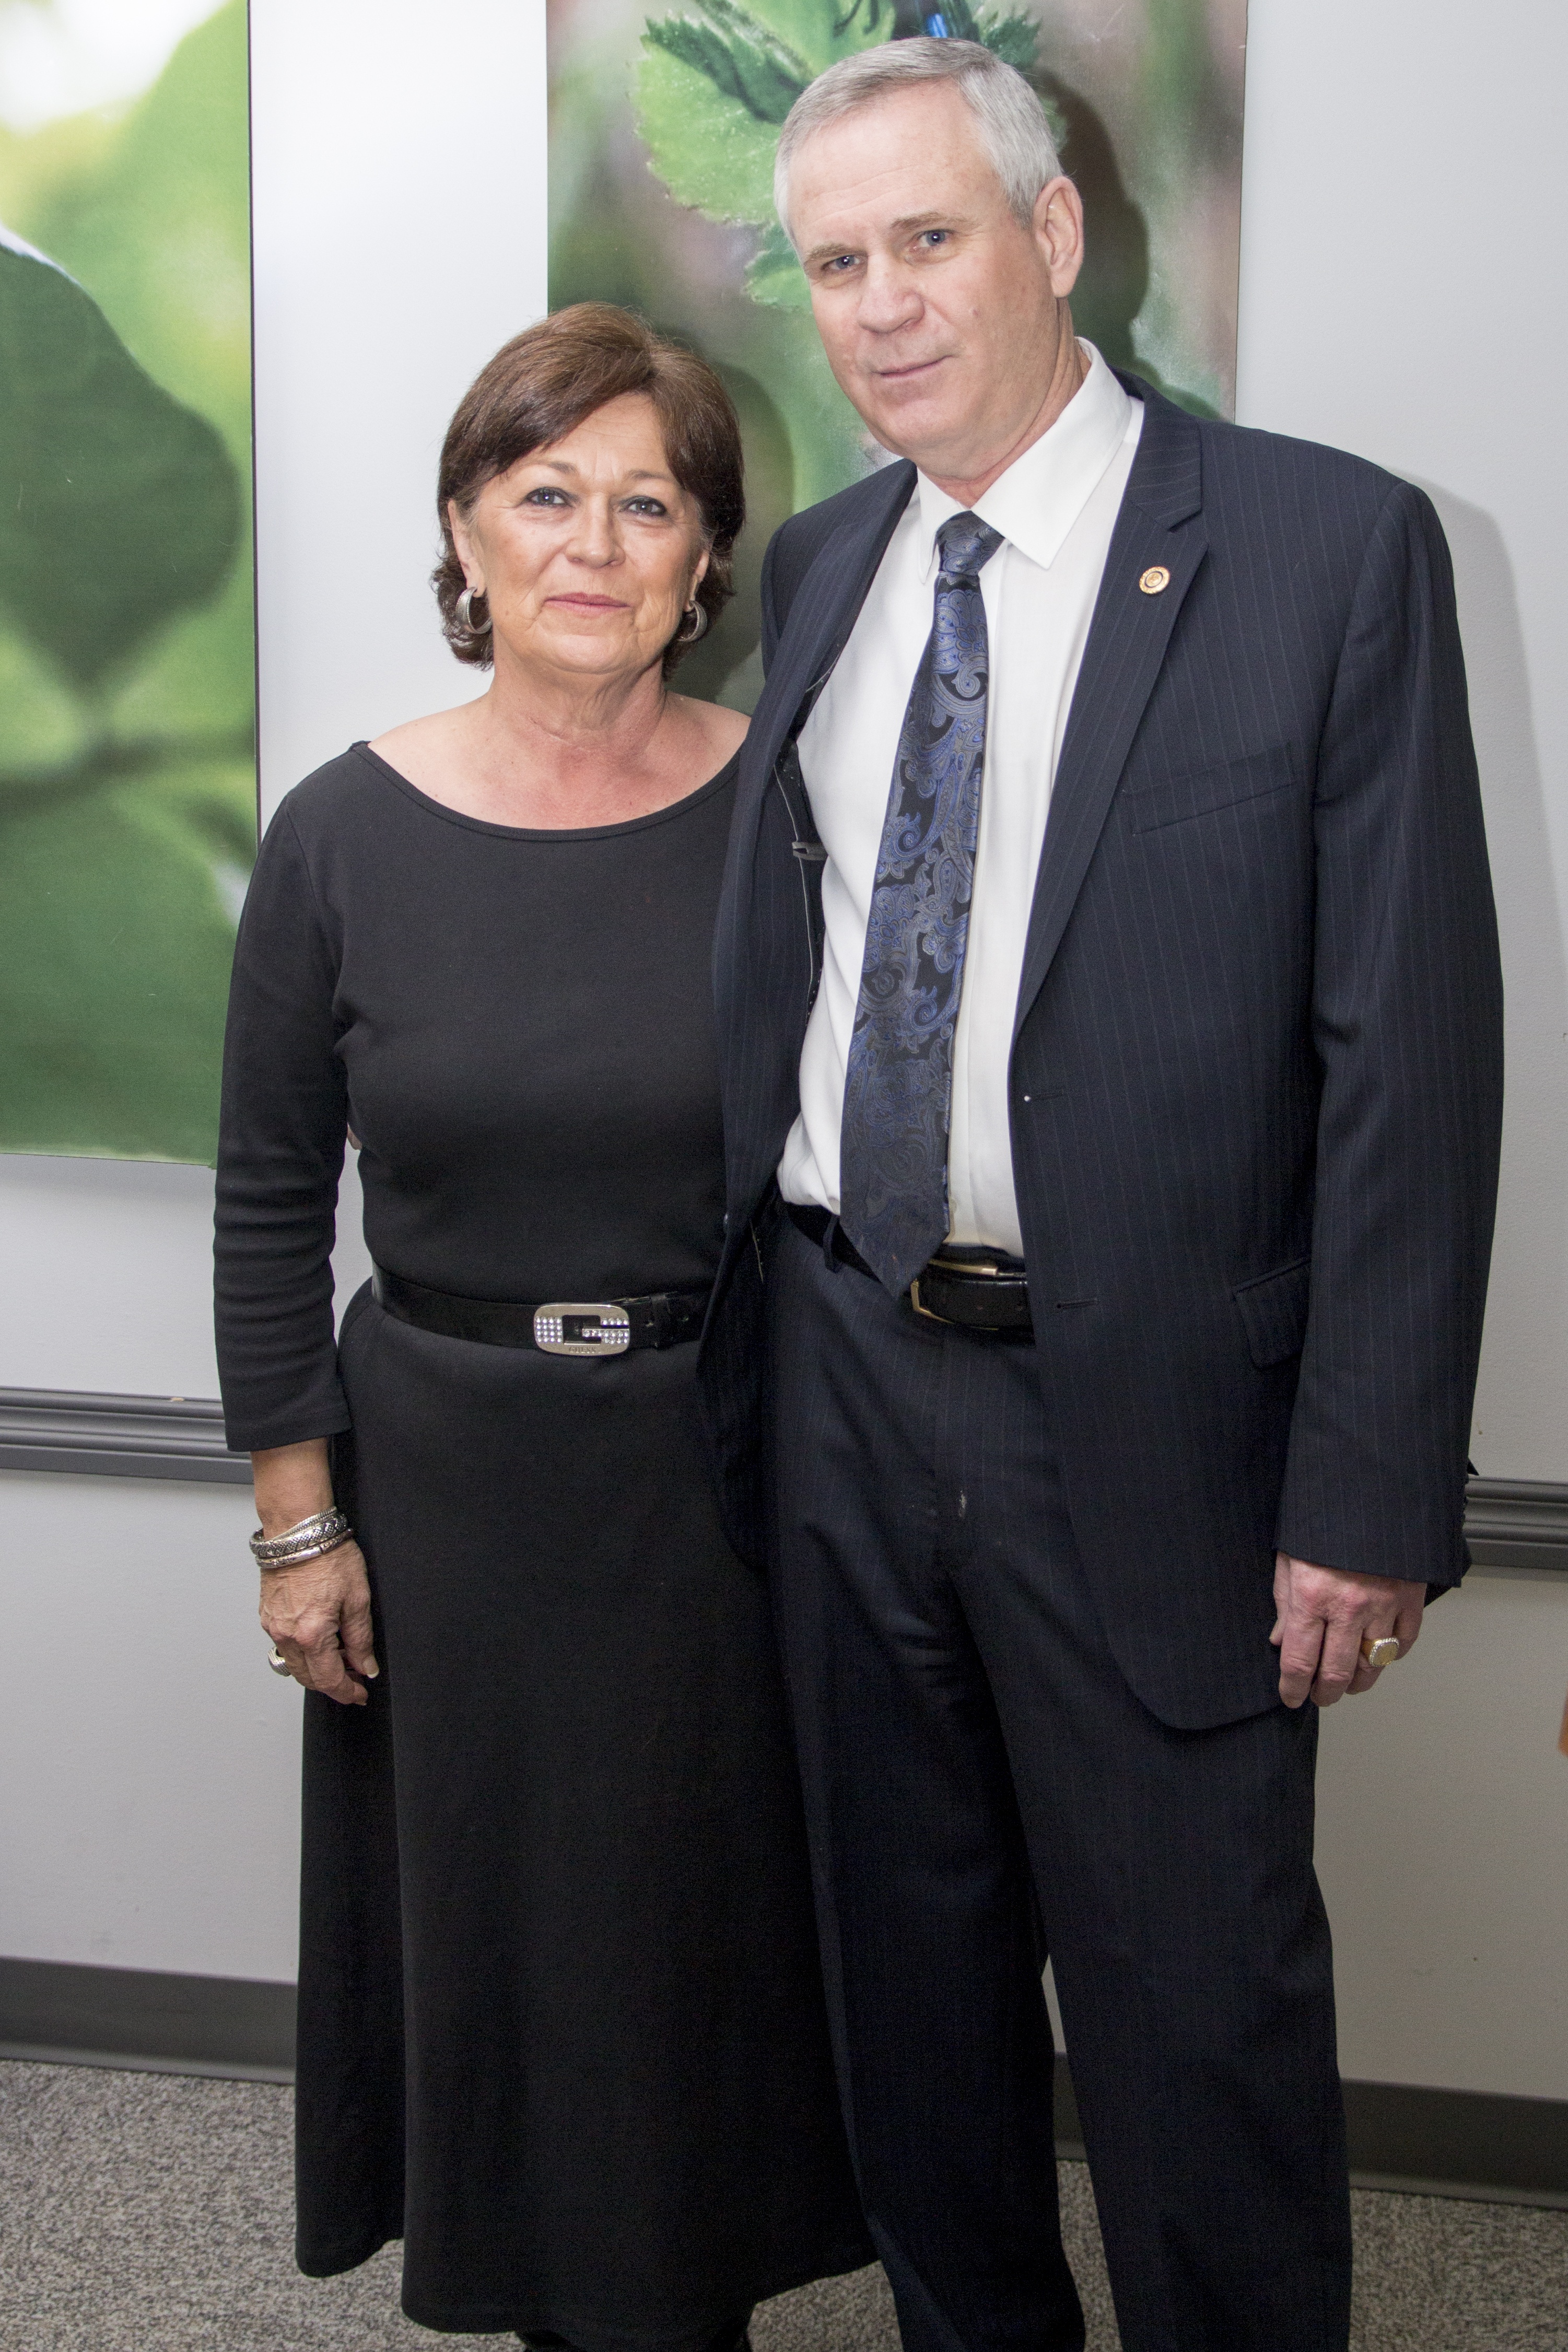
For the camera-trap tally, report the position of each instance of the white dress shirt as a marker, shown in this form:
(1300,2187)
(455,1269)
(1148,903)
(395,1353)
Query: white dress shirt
(1056,508)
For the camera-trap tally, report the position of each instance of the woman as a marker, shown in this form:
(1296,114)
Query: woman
(560,2022)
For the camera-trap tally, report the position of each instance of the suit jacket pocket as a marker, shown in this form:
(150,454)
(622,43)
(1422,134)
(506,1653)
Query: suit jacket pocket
(1273,1312)
(1197,791)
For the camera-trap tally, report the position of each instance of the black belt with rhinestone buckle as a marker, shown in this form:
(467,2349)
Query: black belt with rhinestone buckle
(560,1327)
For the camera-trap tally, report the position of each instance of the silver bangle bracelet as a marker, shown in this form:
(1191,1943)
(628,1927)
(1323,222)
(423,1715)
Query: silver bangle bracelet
(324,1531)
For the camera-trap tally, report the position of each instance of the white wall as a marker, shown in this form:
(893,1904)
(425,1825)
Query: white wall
(398,166)
(1404,221)
(150,1758)
(1443,1849)
(1381,309)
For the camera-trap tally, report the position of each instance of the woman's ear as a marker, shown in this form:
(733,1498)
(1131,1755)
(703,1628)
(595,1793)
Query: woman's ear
(699,575)
(462,539)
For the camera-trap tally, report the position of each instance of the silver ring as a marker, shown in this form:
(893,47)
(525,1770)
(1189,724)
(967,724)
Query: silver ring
(278,1663)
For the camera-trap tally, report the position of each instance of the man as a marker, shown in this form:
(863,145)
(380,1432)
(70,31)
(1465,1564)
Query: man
(1112,1154)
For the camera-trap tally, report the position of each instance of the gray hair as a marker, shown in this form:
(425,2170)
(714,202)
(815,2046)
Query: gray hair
(1010,118)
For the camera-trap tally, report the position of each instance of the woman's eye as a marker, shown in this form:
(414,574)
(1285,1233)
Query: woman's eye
(647,507)
(544,496)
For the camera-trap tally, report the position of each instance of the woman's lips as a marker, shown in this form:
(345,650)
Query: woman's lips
(590,603)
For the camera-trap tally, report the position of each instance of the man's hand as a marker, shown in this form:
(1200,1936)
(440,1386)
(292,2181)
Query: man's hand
(319,1615)
(1321,1617)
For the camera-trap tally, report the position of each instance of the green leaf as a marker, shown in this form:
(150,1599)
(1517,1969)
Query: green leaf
(740,57)
(1015,39)
(708,148)
(823,31)
(42,722)
(118,506)
(158,229)
(775,276)
(115,945)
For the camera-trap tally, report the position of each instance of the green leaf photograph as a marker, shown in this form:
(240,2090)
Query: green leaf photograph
(127,627)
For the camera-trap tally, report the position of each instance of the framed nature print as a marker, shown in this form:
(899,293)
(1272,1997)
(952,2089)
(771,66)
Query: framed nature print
(127,631)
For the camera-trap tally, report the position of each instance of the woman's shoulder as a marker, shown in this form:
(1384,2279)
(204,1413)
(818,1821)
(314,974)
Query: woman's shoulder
(334,794)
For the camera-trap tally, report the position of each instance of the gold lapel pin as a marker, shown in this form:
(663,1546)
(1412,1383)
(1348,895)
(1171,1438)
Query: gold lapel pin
(1155,580)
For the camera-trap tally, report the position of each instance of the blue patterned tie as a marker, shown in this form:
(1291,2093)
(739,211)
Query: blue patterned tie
(897,1090)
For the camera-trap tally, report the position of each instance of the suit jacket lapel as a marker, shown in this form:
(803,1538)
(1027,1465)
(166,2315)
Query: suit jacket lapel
(1160,524)
(823,612)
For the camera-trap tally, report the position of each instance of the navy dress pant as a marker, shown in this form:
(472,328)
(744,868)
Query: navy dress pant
(981,1786)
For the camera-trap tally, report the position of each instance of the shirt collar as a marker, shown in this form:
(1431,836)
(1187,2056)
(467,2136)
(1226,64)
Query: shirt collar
(1037,501)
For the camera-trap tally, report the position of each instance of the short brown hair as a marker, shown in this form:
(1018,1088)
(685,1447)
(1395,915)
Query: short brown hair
(541,386)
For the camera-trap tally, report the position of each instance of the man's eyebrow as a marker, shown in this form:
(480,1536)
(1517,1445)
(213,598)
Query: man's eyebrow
(826,252)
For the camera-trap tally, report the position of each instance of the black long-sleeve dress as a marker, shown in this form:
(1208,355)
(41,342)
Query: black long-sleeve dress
(560,2021)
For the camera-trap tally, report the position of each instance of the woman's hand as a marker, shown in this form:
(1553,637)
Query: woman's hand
(318,1612)
(319,1615)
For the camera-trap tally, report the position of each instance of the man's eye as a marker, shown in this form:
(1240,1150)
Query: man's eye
(930,237)
(840,264)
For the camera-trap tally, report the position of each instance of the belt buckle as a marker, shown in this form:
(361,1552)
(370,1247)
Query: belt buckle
(576,1326)
(929,1313)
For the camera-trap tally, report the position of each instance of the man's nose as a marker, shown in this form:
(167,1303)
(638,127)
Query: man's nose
(889,297)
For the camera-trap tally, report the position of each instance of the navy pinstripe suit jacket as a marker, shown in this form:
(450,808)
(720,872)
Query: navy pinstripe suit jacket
(1255,1082)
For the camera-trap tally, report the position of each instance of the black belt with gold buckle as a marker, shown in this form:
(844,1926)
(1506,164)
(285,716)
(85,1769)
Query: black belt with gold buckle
(983,1290)
(560,1327)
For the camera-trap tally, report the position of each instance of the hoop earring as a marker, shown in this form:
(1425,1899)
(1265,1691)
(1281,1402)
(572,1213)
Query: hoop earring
(694,612)
(465,621)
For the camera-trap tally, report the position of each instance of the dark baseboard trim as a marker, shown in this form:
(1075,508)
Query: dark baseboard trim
(1422,2143)
(1509,1522)
(1517,1523)
(117,1436)
(1430,2143)
(143,2020)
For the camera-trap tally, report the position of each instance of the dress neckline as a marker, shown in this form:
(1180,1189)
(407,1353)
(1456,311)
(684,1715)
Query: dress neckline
(392,775)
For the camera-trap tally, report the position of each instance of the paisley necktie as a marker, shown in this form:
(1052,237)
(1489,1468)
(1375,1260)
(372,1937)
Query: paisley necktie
(898,1089)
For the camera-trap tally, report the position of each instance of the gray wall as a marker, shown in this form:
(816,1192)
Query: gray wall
(1397,298)
(1402,236)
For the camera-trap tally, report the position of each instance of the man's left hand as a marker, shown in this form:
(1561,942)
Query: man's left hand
(1322,1615)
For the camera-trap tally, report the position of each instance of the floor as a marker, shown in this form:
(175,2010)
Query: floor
(150,2213)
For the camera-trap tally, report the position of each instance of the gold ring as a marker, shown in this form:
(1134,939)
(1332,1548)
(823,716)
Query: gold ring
(1382,1652)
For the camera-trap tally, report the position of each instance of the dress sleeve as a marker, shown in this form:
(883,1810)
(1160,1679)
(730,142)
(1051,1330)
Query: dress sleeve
(280,1154)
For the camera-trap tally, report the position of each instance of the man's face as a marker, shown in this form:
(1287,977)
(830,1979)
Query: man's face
(942,316)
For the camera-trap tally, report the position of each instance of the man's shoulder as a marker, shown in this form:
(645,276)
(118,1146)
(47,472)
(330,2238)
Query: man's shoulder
(1249,471)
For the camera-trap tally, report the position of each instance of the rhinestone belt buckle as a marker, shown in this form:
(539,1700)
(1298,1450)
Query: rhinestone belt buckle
(574,1327)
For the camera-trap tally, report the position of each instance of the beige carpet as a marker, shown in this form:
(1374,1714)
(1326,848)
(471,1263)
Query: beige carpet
(150,2213)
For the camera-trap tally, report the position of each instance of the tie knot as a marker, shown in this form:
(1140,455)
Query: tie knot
(965,544)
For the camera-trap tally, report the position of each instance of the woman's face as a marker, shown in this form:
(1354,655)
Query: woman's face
(588,551)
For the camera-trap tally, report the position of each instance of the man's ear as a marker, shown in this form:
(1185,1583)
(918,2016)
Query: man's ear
(1057,227)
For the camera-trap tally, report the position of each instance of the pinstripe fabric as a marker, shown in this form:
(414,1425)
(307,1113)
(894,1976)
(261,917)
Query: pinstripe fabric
(1256,1081)
(968,1746)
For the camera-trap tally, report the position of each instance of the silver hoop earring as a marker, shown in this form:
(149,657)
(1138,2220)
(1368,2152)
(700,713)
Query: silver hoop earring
(689,636)
(465,621)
